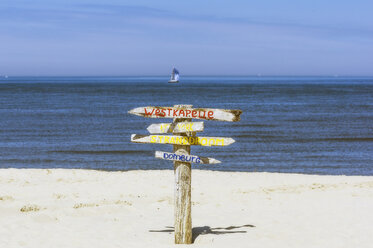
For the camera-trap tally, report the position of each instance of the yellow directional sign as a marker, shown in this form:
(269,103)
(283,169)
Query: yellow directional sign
(182,140)
(180,127)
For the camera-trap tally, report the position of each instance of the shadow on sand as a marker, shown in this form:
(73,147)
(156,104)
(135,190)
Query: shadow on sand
(202,230)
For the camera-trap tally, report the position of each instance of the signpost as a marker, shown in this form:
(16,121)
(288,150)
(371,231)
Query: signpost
(176,127)
(182,140)
(184,135)
(186,158)
(188,112)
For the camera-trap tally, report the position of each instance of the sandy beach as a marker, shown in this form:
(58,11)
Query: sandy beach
(87,208)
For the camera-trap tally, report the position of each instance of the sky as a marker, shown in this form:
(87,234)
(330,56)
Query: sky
(147,37)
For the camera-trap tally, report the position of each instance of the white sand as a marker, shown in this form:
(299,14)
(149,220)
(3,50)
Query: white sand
(81,208)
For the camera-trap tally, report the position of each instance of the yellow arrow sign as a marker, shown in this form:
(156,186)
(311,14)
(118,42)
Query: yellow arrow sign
(182,140)
(180,127)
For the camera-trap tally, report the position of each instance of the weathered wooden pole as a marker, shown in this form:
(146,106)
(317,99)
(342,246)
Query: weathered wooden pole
(183,190)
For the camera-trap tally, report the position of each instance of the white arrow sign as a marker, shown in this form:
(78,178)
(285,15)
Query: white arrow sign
(180,127)
(182,140)
(185,158)
(196,113)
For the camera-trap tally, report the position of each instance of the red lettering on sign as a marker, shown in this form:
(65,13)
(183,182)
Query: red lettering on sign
(157,112)
(194,113)
(204,114)
(175,112)
(169,112)
(182,113)
(187,113)
(148,113)
(163,112)
(210,114)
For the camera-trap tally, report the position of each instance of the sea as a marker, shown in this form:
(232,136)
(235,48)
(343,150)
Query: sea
(309,125)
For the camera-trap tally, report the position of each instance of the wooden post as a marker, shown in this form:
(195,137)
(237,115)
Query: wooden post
(183,180)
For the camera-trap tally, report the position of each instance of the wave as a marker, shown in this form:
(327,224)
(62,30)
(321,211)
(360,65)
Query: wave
(269,138)
(102,152)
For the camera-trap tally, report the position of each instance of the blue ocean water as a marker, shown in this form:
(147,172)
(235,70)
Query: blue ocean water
(316,125)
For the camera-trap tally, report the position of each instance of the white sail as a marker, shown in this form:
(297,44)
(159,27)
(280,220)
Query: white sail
(174,76)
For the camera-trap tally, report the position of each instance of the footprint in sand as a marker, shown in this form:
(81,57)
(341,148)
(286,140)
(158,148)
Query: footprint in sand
(30,208)
(6,198)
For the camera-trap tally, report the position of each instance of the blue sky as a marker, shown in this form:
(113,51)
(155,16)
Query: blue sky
(237,37)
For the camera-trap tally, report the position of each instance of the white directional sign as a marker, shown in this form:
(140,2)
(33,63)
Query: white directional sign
(182,140)
(185,158)
(196,113)
(180,127)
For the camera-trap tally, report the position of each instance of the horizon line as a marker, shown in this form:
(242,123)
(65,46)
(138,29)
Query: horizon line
(5,76)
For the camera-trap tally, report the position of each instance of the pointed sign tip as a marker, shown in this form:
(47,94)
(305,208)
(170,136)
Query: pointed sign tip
(231,141)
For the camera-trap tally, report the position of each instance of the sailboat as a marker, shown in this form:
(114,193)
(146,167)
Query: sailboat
(174,76)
